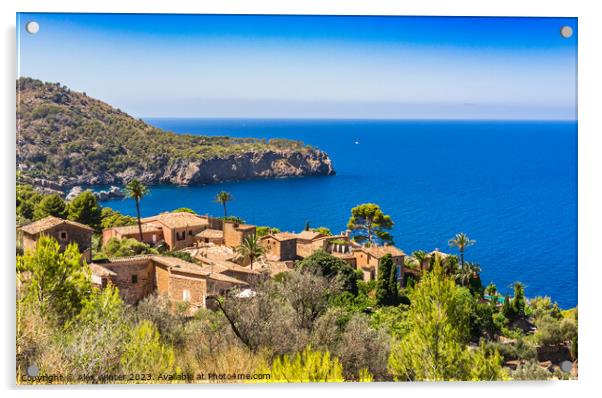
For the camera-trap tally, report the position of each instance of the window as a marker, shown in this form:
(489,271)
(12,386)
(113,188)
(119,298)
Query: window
(190,232)
(63,235)
(186,295)
(134,278)
(181,235)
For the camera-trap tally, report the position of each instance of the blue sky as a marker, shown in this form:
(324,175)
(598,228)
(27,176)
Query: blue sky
(309,66)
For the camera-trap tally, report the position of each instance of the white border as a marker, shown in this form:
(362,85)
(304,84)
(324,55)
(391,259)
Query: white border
(590,128)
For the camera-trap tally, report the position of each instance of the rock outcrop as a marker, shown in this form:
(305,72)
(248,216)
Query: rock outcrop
(112,193)
(67,139)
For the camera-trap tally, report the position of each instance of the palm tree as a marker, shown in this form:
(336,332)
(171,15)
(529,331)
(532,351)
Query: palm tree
(224,197)
(421,256)
(461,241)
(137,190)
(491,291)
(250,248)
(468,272)
(464,276)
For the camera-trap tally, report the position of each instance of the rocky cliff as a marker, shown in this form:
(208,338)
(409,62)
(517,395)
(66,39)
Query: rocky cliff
(65,138)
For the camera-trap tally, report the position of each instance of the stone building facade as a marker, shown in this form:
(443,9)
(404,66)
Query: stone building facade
(133,276)
(181,281)
(151,234)
(280,247)
(235,233)
(367,260)
(64,231)
(179,228)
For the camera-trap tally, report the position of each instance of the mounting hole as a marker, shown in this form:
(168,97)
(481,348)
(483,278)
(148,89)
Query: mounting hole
(32,27)
(566,32)
(566,366)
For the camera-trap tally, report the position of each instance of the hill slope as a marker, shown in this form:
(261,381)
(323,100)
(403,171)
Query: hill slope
(66,138)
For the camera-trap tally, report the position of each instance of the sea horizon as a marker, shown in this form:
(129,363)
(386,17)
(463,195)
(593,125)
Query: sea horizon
(149,119)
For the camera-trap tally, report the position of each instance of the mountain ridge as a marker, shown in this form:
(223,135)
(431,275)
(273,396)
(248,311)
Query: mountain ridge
(66,138)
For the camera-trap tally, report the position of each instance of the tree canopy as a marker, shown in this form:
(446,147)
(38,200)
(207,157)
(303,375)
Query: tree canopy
(369,224)
(435,347)
(329,266)
(387,290)
(57,281)
(50,205)
(85,209)
(126,247)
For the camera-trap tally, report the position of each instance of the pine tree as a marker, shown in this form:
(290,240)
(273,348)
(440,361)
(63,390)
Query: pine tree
(57,282)
(50,205)
(435,348)
(85,209)
(370,225)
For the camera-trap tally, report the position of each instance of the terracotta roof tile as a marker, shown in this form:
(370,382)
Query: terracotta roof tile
(174,264)
(309,235)
(178,220)
(100,270)
(379,251)
(177,264)
(49,222)
(217,266)
(226,278)
(439,253)
(211,234)
(241,226)
(281,236)
(133,229)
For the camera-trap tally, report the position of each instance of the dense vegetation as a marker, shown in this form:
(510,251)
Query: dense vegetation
(32,205)
(67,136)
(304,325)
(318,322)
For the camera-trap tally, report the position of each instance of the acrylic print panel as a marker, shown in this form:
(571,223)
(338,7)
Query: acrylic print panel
(254,199)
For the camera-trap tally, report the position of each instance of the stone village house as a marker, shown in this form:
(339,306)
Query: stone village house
(139,276)
(177,230)
(281,246)
(367,259)
(285,246)
(182,230)
(64,231)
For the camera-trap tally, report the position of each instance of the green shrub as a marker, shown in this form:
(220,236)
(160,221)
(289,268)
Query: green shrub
(308,366)
(126,247)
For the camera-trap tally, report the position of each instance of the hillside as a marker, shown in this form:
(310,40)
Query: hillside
(67,138)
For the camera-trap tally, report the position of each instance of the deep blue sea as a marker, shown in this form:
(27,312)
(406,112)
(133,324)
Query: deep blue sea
(511,186)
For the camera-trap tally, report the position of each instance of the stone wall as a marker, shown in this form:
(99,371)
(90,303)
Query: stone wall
(64,235)
(161,279)
(181,238)
(277,250)
(367,261)
(233,236)
(147,237)
(195,287)
(135,279)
